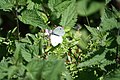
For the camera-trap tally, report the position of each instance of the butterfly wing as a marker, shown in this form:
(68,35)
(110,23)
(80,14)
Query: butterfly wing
(59,31)
(55,40)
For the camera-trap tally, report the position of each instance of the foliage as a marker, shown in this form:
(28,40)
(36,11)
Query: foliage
(86,53)
(115,75)
(87,7)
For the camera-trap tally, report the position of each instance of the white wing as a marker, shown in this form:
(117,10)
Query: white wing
(59,31)
(55,40)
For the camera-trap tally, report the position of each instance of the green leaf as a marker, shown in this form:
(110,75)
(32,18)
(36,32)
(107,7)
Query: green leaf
(24,50)
(118,40)
(93,31)
(2,75)
(26,55)
(7,5)
(53,3)
(94,61)
(114,75)
(53,71)
(31,17)
(31,5)
(61,7)
(34,69)
(97,59)
(17,51)
(22,2)
(87,7)
(67,75)
(58,7)
(107,1)
(108,24)
(106,62)
(3,69)
(3,65)
(12,70)
(108,20)
(69,15)
(45,69)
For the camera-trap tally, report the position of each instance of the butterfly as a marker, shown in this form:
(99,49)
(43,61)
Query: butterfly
(56,35)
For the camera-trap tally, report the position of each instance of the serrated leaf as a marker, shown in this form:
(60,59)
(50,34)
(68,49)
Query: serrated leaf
(22,2)
(93,31)
(58,7)
(31,17)
(69,15)
(3,65)
(62,6)
(3,69)
(95,60)
(25,52)
(108,20)
(31,5)
(11,71)
(105,62)
(108,24)
(118,40)
(53,3)
(26,55)
(114,75)
(7,5)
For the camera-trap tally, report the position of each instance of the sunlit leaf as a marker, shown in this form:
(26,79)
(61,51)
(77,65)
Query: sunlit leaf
(31,17)
(69,15)
(22,2)
(7,5)
(53,3)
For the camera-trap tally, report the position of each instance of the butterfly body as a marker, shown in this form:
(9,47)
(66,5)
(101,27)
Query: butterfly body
(56,36)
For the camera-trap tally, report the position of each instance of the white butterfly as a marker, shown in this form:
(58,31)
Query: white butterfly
(56,36)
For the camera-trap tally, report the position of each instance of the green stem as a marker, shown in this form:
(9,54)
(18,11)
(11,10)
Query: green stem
(17,21)
(118,44)
(86,18)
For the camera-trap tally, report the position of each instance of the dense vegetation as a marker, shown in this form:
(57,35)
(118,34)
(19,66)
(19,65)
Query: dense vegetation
(90,49)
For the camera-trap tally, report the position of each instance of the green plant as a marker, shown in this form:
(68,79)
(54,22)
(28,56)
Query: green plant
(86,53)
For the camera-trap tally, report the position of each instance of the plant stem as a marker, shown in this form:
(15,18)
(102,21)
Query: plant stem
(17,21)
(118,44)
